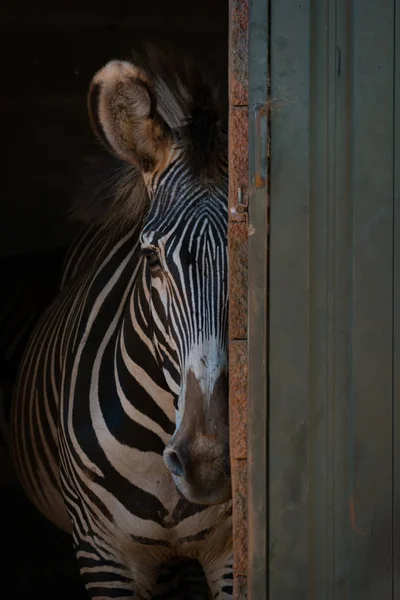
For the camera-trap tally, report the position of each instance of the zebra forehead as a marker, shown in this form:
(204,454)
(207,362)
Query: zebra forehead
(188,206)
(195,246)
(201,228)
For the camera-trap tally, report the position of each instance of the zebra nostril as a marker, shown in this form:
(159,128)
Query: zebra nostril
(173,462)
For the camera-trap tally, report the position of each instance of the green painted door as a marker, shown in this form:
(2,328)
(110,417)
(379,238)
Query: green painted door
(324,395)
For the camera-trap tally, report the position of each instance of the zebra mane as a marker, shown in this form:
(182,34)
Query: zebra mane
(109,191)
(112,190)
(189,102)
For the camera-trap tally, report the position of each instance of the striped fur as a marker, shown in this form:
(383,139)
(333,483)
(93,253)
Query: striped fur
(120,418)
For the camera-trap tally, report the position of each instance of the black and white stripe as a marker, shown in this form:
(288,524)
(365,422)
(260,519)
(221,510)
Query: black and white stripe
(103,387)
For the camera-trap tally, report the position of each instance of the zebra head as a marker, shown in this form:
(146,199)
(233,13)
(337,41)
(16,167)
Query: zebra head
(164,120)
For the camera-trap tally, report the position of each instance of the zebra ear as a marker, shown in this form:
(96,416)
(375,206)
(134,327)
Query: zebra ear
(122,110)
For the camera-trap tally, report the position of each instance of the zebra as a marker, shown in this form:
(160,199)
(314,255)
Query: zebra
(120,419)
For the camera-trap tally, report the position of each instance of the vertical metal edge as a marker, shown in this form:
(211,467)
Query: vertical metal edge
(396,305)
(320,537)
(258,311)
(340,302)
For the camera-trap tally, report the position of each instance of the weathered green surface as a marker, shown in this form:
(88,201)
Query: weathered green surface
(334,302)
(396,324)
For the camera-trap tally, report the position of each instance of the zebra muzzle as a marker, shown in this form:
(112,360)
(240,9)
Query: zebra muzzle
(198,454)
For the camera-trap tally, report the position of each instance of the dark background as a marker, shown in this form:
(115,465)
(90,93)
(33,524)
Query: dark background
(49,52)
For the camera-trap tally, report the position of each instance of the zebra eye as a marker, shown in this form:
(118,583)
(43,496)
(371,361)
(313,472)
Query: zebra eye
(152,258)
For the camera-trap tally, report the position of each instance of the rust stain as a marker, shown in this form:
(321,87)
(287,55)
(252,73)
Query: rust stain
(259,181)
(238,51)
(238,160)
(240,588)
(238,361)
(353,517)
(238,258)
(238,247)
(240,533)
(262,113)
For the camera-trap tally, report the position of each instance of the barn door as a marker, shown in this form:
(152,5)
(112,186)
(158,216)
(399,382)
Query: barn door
(323,446)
